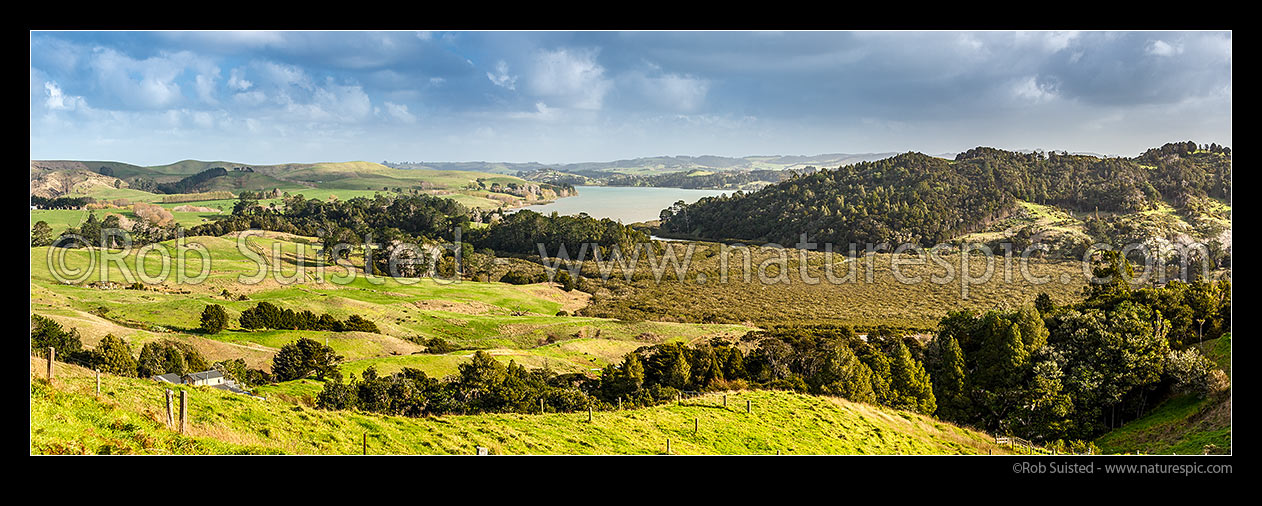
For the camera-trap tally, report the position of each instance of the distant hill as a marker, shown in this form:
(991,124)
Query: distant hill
(348,179)
(656,164)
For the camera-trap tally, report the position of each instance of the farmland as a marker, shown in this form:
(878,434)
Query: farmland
(127,419)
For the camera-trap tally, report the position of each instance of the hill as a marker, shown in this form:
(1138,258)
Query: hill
(656,164)
(67,418)
(113,180)
(1178,193)
(513,322)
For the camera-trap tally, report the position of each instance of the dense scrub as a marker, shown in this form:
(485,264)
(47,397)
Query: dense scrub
(926,200)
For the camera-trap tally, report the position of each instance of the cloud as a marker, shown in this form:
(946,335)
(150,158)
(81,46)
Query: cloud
(144,84)
(675,92)
(541,113)
(569,77)
(501,77)
(237,80)
(58,101)
(399,112)
(205,85)
(1163,48)
(338,103)
(1031,90)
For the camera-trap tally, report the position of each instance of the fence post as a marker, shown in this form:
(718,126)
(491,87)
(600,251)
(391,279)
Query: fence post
(725,400)
(668,446)
(365,442)
(541,406)
(619,403)
(170,409)
(183,410)
(696,426)
(98,382)
(589,414)
(749,406)
(51,353)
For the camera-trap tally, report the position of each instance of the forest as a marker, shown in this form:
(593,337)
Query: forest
(915,198)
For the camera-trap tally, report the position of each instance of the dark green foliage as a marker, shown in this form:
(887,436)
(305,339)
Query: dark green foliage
(438,346)
(382,218)
(519,278)
(566,281)
(46,333)
(305,358)
(523,231)
(194,183)
(60,202)
(234,370)
(113,356)
(41,234)
(909,383)
(168,356)
(1079,370)
(950,378)
(266,315)
(927,200)
(214,319)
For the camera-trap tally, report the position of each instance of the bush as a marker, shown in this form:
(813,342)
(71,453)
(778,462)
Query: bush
(439,346)
(518,278)
(214,319)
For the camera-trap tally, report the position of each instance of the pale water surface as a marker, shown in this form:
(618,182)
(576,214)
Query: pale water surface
(629,204)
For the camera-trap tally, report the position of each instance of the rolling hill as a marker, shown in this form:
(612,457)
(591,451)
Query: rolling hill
(114,180)
(68,418)
(1175,194)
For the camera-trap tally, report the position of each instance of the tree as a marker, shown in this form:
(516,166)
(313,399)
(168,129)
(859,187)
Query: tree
(845,375)
(337,395)
(214,319)
(113,355)
(46,333)
(909,383)
(950,379)
(305,357)
(41,234)
(1043,304)
(480,374)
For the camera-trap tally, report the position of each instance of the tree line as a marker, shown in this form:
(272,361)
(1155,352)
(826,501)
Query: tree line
(927,200)
(1077,371)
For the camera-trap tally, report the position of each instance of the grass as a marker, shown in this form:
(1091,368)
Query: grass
(1183,424)
(59,219)
(128,418)
(515,321)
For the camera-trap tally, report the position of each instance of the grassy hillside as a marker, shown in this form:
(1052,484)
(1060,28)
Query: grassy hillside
(67,418)
(1184,424)
(513,321)
(342,180)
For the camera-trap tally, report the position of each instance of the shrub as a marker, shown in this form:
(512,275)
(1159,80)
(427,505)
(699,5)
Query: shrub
(214,319)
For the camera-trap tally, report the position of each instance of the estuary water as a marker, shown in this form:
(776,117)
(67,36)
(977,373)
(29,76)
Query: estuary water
(630,204)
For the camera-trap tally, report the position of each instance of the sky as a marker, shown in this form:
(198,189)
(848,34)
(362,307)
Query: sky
(152,98)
